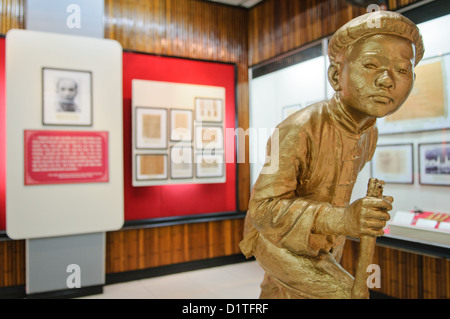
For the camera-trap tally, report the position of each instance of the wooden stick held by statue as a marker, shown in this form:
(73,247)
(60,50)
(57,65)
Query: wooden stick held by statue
(360,289)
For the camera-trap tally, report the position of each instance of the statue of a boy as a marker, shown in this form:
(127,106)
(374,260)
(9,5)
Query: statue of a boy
(299,217)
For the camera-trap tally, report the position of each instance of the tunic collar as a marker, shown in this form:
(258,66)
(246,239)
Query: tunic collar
(344,120)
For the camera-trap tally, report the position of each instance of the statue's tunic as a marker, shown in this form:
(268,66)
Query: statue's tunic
(321,151)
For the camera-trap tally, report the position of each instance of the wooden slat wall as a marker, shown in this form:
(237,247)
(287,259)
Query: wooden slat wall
(278,26)
(12,263)
(405,275)
(11,15)
(136,249)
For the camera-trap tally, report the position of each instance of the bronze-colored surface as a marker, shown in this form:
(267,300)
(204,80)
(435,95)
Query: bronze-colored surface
(360,289)
(300,215)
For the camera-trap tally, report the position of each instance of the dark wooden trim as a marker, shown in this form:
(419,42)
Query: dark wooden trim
(178,220)
(68,293)
(114,278)
(13,292)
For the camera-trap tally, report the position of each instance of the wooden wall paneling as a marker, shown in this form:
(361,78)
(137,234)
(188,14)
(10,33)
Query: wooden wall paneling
(349,256)
(12,263)
(404,274)
(11,15)
(447,278)
(278,26)
(434,276)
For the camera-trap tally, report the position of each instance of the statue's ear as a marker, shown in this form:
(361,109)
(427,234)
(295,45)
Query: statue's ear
(333,75)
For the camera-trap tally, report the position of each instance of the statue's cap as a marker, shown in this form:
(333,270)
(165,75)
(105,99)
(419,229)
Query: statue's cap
(378,22)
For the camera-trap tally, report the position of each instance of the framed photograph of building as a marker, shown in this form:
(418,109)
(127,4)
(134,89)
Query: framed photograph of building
(434,164)
(209,137)
(181,125)
(151,128)
(393,163)
(209,165)
(181,162)
(151,167)
(66,97)
(208,109)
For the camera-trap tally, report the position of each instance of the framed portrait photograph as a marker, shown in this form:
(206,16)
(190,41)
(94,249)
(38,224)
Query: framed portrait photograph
(151,128)
(66,97)
(209,165)
(181,125)
(393,163)
(151,167)
(208,110)
(434,164)
(181,162)
(209,137)
(430,88)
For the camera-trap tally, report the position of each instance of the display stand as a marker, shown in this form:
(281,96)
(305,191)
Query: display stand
(71,174)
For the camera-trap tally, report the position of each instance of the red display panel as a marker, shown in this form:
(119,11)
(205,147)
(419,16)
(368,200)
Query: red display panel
(168,200)
(178,200)
(65,157)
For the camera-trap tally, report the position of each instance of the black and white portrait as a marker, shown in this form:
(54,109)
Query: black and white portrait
(66,97)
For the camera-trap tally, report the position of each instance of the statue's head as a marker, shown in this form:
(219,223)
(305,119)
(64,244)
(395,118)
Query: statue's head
(372,60)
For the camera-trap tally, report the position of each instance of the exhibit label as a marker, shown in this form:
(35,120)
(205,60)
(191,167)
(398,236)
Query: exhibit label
(58,157)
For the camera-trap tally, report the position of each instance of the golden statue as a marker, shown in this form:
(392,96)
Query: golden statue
(300,216)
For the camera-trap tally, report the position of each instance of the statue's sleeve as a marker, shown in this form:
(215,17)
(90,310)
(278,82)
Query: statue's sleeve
(275,209)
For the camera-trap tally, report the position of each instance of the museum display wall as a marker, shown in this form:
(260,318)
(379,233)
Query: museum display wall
(242,38)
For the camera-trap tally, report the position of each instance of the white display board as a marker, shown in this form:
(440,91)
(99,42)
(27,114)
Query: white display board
(76,198)
(276,95)
(178,133)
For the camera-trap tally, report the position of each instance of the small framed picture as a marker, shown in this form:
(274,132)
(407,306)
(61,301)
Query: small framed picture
(209,137)
(66,97)
(181,125)
(181,162)
(151,128)
(209,165)
(208,110)
(393,163)
(434,164)
(151,167)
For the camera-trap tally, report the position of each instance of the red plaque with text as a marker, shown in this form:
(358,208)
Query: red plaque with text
(65,157)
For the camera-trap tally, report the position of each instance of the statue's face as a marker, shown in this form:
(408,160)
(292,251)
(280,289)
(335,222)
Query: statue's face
(377,75)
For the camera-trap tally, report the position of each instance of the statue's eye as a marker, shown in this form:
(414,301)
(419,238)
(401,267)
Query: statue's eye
(370,66)
(402,71)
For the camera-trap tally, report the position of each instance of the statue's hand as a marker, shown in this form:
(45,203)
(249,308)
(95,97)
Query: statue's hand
(367,216)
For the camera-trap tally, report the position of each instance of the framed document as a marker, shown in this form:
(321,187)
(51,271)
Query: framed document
(181,162)
(427,105)
(434,164)
(209,137)
(151,167)
(181,125)
(66,97)
(151,128)
(209,165)
(393,163)
(208,110)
